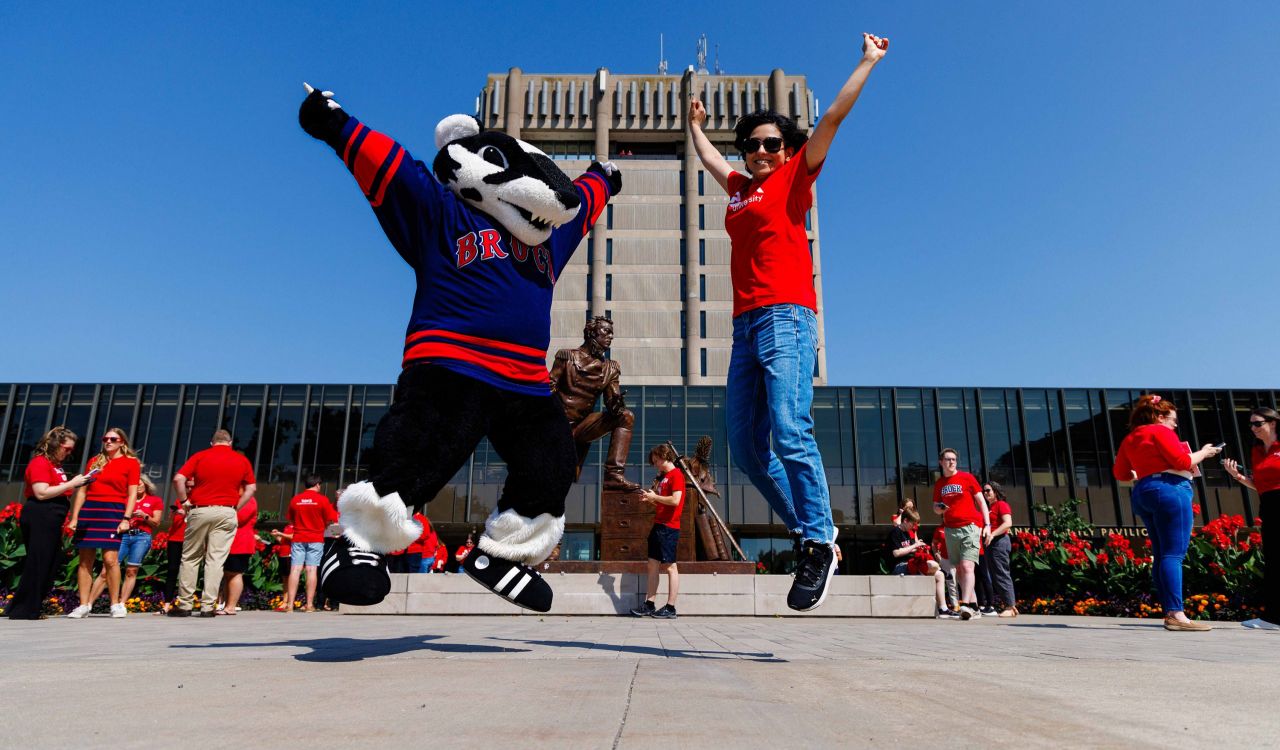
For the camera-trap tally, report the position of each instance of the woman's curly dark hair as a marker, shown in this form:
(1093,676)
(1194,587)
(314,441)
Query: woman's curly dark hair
(791,135)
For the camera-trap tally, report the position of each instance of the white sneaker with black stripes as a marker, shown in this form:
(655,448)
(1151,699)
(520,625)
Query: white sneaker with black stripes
(513,581)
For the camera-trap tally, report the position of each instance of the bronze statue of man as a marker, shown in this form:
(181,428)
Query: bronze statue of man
(580,376)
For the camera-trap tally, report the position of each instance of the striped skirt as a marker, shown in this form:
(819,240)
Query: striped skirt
(97,524)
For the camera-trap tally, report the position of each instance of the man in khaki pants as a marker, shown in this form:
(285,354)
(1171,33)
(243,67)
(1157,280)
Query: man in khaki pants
(220,480)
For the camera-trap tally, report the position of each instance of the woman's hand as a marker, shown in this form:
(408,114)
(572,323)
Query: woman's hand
(697,112)
(123,525)
(1233,468)
(71,525)
(874,47)
(78,481)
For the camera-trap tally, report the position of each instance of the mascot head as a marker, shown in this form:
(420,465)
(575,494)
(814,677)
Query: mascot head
(506,178)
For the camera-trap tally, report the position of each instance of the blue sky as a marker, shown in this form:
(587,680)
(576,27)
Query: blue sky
(1075,194)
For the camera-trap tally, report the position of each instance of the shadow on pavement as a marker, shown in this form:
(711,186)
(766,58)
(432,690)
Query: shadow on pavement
(358,649)
(1064,626)
(672,653)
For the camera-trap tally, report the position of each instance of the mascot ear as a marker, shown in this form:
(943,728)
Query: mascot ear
(454,127)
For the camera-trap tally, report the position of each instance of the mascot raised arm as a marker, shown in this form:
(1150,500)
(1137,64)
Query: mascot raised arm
(487,231)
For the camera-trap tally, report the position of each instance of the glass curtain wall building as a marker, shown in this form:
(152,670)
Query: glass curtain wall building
(879,444)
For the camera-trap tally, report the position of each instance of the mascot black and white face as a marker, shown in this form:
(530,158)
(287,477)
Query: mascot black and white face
(504,177)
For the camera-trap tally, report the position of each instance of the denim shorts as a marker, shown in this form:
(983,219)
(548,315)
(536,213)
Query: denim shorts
(307,553)
(133,547)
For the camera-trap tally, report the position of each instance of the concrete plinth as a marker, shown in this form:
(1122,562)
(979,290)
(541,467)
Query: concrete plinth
(608,593)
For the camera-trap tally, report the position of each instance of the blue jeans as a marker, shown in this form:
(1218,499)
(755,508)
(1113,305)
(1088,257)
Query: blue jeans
(134,547)
(425,565)
(1163,502)
(770,393)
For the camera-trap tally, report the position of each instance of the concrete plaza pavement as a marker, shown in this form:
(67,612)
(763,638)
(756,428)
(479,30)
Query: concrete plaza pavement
(327,680)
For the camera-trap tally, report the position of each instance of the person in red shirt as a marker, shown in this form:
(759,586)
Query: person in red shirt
(243,545)
(102,510)
(775,331)
(135,542)
(46,489)
(173,553)
(1264,422)
(310,511)
(441,559)
(465,549)
(421,554)
(221,483)
(668,502)
(999,549)
(1160,465)
(958,498)
(284,550)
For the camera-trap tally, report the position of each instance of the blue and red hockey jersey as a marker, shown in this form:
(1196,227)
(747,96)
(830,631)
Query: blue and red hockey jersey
(483,303)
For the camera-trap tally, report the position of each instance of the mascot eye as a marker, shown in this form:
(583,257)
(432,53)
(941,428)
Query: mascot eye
(493,156)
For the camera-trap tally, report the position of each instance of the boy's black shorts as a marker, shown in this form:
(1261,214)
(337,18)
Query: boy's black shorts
(662,543)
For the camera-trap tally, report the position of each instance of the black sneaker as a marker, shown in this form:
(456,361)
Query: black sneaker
(644,610)
(177,611)
(988,611)
(517,583)
(667,612)
(351,575)
(813,576)
(948,614)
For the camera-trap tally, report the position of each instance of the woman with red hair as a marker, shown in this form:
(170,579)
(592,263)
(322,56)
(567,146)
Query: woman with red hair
(1160,466)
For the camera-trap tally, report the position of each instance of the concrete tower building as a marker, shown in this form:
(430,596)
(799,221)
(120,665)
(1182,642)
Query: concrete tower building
(657,263)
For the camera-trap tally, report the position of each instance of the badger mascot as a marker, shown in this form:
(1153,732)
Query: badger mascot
(487,230)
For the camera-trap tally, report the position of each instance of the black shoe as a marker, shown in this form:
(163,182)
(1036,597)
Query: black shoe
(988,611)
(813,576)
(513,581)
(350,575)
(644,610)
(667,612)
(177,611)
(207,613)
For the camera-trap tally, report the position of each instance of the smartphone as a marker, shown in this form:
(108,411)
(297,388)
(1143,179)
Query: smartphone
(1220,446)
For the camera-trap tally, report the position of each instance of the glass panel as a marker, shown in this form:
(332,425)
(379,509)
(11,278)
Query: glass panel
(877,462)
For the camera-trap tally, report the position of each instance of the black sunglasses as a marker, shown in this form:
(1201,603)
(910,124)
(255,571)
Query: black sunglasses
(772,145)
(1258,423)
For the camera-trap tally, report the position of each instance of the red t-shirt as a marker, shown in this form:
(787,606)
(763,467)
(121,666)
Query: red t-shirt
(998,508)
(939,543)
(246,539)
(771,263)
(669,515)
(111,485)
(148,504)
(956,492)
(178,527)
(285,549)
(310,512)
(425,544)
(41,469)
(1150,449)
(1266,468)
(218,475)
(463,551)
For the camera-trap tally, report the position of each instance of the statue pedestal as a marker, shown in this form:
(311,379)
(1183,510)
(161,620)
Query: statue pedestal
(625,521)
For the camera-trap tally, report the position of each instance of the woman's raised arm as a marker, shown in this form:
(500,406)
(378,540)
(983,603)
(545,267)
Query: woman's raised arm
(873,49)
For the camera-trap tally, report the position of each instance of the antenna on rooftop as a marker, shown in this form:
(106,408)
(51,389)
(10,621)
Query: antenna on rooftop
(719,72)
(662,58)
(702,55)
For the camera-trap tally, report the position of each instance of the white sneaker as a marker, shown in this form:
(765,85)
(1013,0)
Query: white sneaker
(968,613)
(118,610)
(1258,623)
(80,612)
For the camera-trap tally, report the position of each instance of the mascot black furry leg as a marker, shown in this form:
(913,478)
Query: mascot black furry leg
(487,231)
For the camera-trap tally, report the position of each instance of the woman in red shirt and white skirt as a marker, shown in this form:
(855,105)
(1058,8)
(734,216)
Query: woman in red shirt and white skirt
(1160,466)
